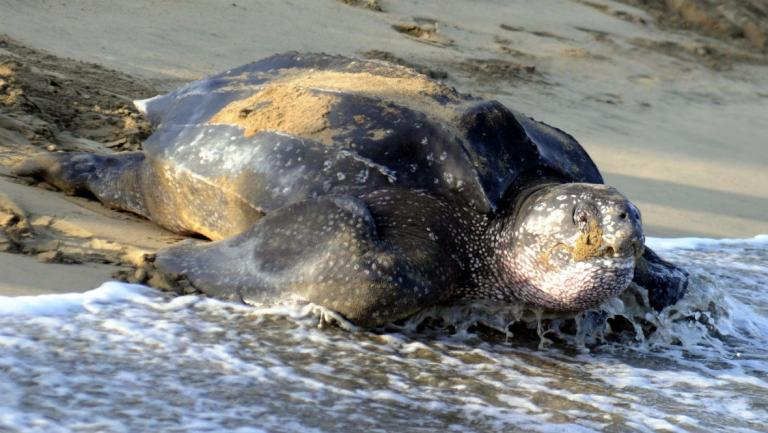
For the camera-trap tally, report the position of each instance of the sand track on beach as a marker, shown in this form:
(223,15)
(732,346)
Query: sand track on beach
(51,104)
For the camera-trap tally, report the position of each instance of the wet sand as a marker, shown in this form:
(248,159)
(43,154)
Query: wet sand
(24,275)
(674,118)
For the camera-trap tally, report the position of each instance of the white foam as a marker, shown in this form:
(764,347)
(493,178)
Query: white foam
(69,303)
(693,243)
(128,358)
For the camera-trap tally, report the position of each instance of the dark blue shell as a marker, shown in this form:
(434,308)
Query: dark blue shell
(471,158)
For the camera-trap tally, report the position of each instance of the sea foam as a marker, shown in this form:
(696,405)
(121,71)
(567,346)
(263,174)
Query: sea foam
(662,244)
(125,358)
(69,303)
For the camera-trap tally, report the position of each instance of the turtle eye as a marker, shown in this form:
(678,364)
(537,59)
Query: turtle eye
(582,214)
(580,218)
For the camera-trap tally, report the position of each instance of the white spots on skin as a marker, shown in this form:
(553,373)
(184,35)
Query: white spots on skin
(390,174)
(542,224)
(362,176)
(212,151)
(574,285)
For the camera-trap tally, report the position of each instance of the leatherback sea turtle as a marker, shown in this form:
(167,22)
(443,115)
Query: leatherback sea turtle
(372,190)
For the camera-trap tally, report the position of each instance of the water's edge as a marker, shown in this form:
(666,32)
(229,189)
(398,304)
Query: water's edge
(129,358)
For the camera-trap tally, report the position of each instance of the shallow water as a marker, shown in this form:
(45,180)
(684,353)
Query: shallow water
(130,359)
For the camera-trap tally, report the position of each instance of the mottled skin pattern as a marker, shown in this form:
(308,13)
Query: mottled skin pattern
(397,193)
(534,254)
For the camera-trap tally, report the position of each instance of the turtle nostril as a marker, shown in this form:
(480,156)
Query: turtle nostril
(609,251)
(623,215)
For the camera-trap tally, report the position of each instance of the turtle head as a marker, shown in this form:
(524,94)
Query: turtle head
(569,247)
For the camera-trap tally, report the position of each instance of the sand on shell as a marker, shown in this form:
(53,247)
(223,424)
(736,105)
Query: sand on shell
(674,115)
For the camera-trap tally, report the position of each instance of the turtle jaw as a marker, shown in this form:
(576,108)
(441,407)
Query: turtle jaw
(555,281)
(575,287)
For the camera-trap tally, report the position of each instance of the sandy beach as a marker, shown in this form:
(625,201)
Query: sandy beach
(675,118)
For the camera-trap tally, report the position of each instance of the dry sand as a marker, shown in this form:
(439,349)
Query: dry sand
(675,119)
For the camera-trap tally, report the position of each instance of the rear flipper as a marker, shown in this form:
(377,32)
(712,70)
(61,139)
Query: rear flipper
(326,251)
(665,282)
(115,180)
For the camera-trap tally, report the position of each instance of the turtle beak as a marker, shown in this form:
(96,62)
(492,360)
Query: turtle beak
(624,246)
(619,228)
(627,240)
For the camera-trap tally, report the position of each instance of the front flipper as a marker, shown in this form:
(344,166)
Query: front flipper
(665,282)
(115,180)
(326,251)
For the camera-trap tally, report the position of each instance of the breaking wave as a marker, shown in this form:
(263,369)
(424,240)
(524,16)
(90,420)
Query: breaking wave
(127,358)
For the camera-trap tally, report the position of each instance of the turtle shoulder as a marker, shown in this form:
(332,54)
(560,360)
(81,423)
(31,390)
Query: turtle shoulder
(560,151)
(509,150)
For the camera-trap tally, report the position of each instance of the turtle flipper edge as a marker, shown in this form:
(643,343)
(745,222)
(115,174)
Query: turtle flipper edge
(115,180)
(326,251)
(665,282)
